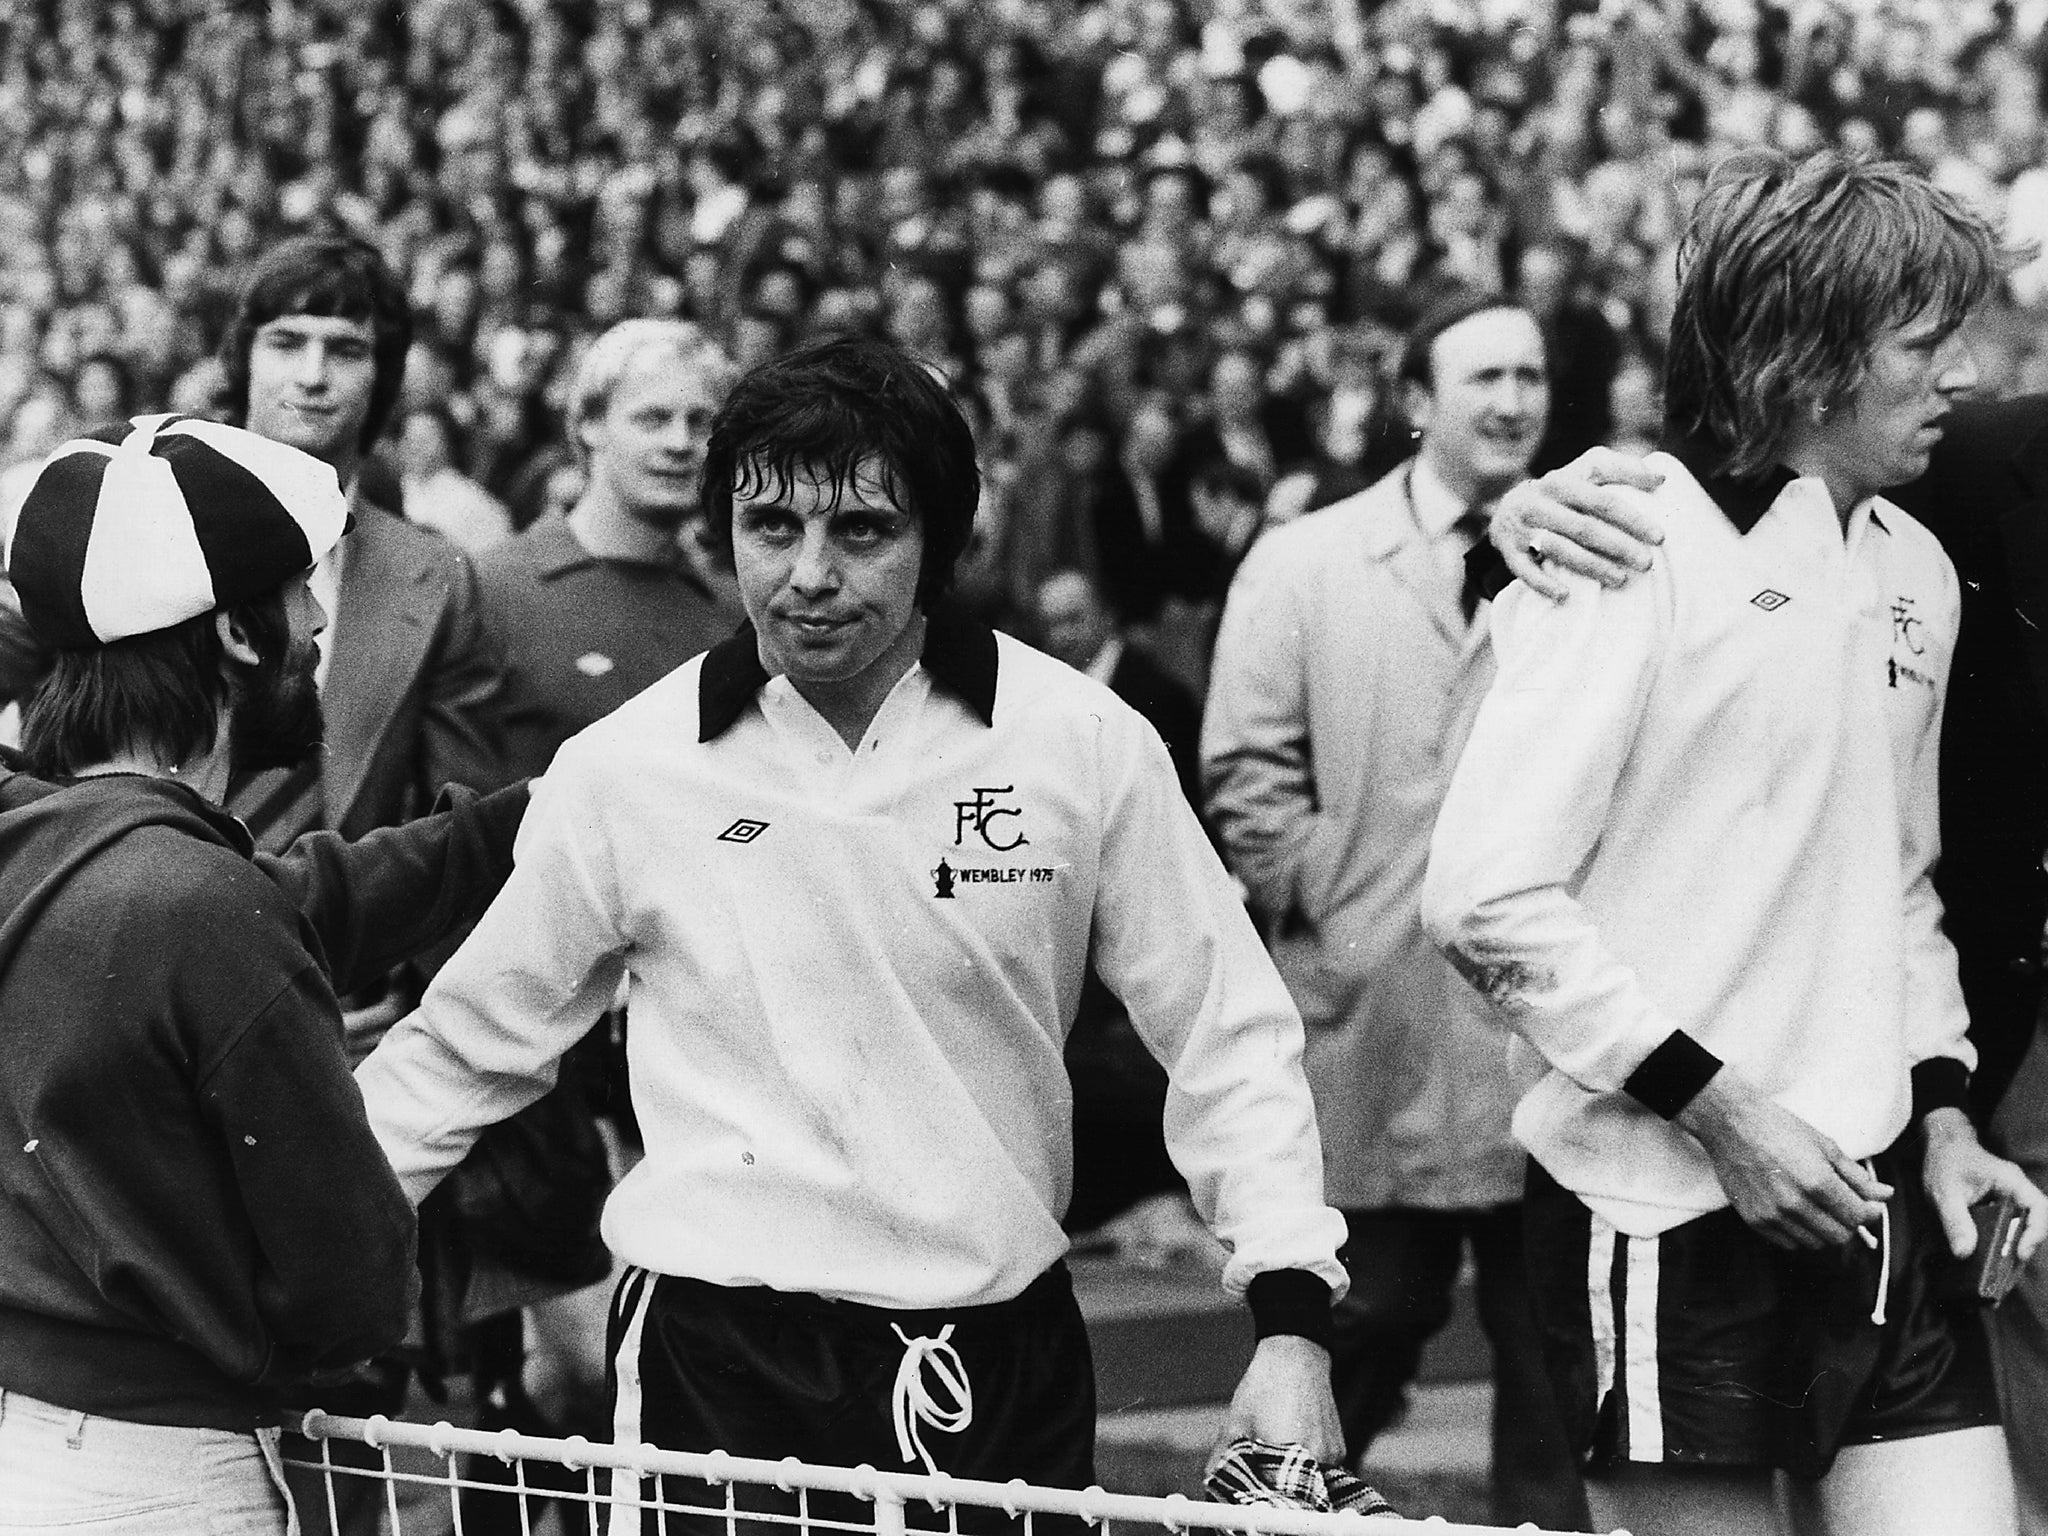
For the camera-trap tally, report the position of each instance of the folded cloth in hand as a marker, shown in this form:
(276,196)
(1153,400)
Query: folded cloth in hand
(1288,1477)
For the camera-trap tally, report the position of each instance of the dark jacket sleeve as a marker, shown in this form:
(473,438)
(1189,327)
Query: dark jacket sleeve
(334,1232)
(460,740)
(376,902)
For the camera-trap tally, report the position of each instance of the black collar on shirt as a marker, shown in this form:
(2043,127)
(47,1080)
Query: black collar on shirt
(1743,501)
(959,653)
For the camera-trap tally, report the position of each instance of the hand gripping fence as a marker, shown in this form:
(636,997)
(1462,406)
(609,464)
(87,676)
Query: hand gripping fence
(646,1491)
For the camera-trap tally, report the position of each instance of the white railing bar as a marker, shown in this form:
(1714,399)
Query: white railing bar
(1094,1505)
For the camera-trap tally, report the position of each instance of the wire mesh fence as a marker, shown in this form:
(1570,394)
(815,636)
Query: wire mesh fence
(484,1483)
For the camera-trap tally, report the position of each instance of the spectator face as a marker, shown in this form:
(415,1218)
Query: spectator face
(1243,199)
(1462,210)
(1169,206)
(1235,389)
(1148,441)
(1859,137)
(1073,624)
(455,305)
(1051,296)
(918,318)
(310,380)
(429,375)
(1223,515)
(1007,357)
(647,446)
(988,311)
(1063,203)
(100,393)
(830,582)
(502,275)
(1545,270)
(780,292)
(1797,132)
(1482,414)
(1082,450)
(1370,169)
(423,447)
(755,339)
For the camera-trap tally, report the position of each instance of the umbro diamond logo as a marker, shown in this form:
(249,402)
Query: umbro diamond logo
(745,830)
(1770,601)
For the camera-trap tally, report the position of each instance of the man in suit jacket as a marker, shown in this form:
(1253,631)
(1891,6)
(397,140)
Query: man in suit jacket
(1076,625)
(1985,496)
(1346,669)
(314,358)
(407,676)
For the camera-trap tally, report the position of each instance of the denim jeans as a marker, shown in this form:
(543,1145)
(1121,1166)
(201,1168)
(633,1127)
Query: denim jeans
(62,1471)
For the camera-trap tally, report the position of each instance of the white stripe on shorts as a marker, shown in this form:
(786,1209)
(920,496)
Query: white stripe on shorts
(635,1291)
(1600,1307)
(1639,1351)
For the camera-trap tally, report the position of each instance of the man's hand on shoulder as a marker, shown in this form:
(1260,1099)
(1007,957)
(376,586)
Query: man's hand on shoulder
(1285,1398)
(1787,1180)
(1959,1170)
(1573,519)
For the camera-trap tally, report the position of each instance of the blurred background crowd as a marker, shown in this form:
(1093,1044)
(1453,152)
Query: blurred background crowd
(1163,247)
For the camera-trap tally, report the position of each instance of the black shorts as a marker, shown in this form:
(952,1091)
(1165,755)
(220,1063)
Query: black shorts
(1709,1346)
(769,1374)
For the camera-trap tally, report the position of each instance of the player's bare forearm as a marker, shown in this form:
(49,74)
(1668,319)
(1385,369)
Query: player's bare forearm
(1284,1397)
(1959,1170)
(1786,1179)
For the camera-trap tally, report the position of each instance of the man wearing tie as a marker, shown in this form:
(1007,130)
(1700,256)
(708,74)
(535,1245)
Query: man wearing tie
(1351,655)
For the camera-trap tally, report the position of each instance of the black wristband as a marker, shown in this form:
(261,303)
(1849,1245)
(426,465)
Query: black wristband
(1672,1074)
(1940,1082)
(1290,1301)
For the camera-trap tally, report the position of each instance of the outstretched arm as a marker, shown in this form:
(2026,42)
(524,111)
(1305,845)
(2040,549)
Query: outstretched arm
(377,901)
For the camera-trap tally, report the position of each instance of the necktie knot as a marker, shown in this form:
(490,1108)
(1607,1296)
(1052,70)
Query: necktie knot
(1481,560)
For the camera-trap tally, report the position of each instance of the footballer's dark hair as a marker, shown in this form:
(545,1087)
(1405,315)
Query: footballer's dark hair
(839,406)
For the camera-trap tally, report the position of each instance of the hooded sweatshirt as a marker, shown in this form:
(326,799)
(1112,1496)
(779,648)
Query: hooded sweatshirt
(192,1208)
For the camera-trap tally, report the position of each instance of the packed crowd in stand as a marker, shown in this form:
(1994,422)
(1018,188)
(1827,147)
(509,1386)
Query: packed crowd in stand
(1097,295)
(1139,234)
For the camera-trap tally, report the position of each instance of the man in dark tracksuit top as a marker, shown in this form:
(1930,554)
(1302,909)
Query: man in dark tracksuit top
(194,1212)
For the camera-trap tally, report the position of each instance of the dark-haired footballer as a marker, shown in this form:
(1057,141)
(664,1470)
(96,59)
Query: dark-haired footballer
(853,864)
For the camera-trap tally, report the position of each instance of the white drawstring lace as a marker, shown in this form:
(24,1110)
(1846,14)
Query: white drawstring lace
(1884,1246)
(911,1401)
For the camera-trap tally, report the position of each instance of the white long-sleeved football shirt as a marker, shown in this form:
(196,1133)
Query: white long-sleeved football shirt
(850,976)
(1706,801)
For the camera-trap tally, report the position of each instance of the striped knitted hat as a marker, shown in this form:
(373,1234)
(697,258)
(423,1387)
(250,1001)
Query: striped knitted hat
(173,519)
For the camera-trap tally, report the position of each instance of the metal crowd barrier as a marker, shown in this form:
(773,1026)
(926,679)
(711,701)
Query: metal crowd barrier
(620,1491)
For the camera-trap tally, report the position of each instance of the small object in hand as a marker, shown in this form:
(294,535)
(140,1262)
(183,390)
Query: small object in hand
(1288,1477)
(1993,1265)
